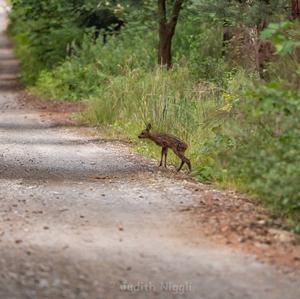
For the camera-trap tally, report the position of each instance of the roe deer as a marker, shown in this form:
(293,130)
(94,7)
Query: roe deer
(167,141)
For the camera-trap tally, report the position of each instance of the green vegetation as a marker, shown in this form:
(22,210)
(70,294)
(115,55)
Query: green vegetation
(228,94)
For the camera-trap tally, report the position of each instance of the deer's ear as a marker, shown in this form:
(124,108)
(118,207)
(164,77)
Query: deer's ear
(148,128)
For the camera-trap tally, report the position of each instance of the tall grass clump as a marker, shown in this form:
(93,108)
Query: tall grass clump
(173,101)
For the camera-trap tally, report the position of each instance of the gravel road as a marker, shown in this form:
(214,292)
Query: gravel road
(83,217)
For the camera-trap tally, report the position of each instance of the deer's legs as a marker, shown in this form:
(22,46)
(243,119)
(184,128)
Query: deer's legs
(184,159)
(166,154)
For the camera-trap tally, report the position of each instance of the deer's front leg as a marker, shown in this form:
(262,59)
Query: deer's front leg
(166,154)
(162,155)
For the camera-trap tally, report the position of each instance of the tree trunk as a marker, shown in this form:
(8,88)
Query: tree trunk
(166,31)
(295,10)
(165,47)
(264,50)
(227,36)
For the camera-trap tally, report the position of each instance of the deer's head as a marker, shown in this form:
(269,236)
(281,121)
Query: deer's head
(145,133)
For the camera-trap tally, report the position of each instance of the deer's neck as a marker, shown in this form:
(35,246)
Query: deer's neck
(153,137)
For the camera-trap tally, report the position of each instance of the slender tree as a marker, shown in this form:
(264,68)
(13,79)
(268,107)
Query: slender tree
(295,9)
(167,30)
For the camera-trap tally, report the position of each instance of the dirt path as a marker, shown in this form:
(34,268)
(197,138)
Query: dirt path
(85,218)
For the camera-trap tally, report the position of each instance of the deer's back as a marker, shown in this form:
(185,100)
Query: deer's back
(171,141)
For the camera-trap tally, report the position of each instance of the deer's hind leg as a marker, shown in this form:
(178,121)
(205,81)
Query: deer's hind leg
(179,168)
(184,159)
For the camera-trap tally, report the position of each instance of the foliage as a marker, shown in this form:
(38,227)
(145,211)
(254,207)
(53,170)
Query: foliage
(47,31)
(273,172)
(285,36)
(241,11)
(37,27)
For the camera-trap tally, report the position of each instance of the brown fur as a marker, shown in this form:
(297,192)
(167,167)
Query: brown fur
(167,141)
